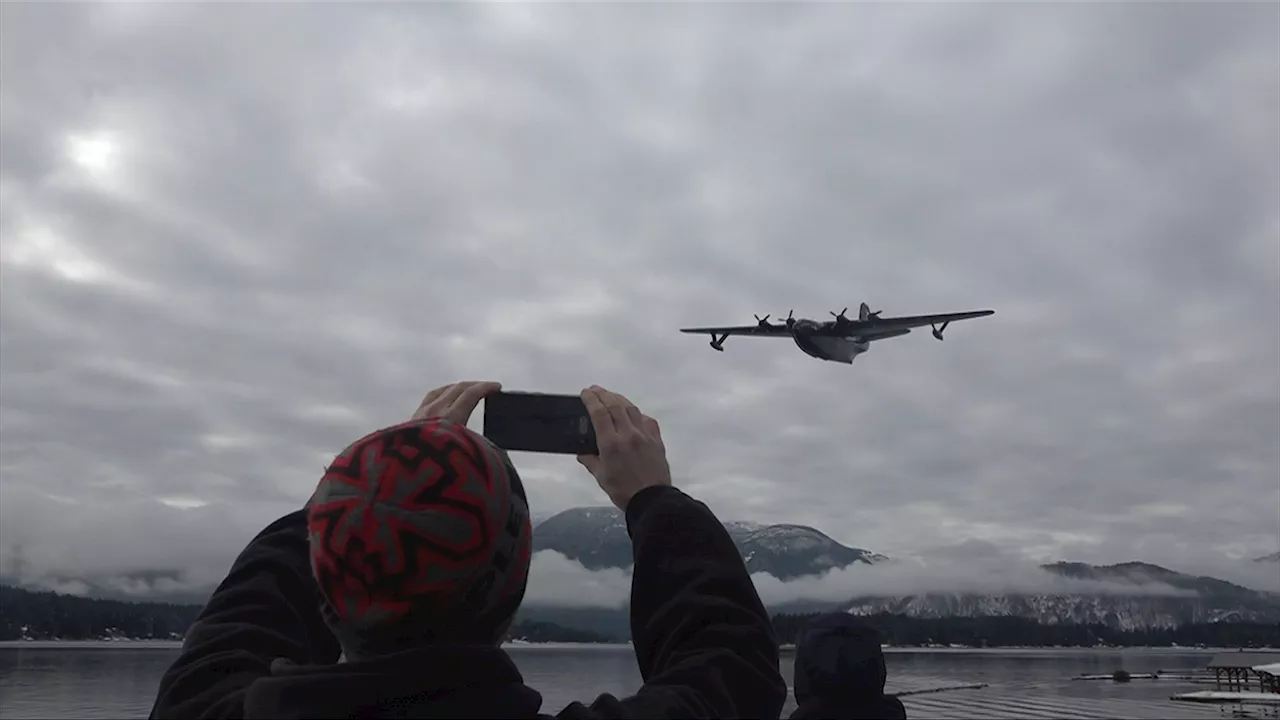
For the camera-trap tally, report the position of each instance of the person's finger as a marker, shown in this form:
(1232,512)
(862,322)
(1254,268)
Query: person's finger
(590,462)
(429,398)
(619,398)
(652,428)
(432,395)
(617,406)
(636,418)
(601,420)
(460,409)
(452,393)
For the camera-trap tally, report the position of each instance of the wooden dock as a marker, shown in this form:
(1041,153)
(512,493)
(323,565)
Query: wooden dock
(1242,697)
(929,698)
(997,704)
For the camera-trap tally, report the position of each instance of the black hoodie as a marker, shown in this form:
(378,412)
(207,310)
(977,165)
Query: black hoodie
(702,638)
(840,672)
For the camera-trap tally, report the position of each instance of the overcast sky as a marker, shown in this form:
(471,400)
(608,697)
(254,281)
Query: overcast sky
(237,237)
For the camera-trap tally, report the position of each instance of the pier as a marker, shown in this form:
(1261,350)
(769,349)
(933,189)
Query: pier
(948,699)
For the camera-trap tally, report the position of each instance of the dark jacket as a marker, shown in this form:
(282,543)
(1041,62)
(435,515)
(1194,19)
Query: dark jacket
(702,638)
(840,672)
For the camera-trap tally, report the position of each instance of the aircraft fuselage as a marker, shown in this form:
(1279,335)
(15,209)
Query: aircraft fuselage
(833,349)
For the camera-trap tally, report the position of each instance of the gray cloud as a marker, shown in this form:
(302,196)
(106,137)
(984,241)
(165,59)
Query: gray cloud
(969,567)
(235,239)
(558,581)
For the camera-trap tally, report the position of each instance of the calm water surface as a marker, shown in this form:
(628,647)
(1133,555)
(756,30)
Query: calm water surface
(83,680)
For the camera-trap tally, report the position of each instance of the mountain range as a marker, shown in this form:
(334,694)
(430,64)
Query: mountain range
(1198,599)
(597,538)
(1118,596)
(1064,592)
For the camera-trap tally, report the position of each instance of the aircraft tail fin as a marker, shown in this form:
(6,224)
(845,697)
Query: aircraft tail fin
(864,311)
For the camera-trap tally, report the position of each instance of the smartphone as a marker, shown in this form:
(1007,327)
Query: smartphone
(539,422)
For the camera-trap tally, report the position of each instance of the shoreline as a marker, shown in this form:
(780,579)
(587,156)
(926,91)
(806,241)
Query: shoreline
(144,643)
(785,650)
(139,644)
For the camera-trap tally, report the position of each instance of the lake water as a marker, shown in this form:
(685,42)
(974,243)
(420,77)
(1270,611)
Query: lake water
(118,680)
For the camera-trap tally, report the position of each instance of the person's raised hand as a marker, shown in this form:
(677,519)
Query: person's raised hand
(455,402)
(631,454)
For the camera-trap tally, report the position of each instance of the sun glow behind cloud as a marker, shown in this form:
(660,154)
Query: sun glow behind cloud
(95,153)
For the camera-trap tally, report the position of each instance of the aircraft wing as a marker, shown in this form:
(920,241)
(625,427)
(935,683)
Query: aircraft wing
(755,330)
(870,335)
(875,326)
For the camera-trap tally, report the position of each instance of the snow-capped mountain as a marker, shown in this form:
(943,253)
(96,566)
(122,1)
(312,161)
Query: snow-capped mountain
(594,536)
(597,538)
(791,551)
(1126,613)
(1272,558)
(1190,599)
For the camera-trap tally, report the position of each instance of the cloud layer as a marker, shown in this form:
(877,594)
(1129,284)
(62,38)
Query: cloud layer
(234,239)
(557,581)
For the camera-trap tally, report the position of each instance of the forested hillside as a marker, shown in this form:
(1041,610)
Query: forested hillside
(43,615)
(903,631)
(47,615)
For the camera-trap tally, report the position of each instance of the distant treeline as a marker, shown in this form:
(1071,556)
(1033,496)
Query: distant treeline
(534,631)
(903,631)
(48,615)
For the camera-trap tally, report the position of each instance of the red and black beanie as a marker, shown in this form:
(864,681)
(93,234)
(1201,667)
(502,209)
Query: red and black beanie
(420,534)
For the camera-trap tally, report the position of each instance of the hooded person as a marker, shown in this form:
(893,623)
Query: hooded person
(840,672)
(411,559)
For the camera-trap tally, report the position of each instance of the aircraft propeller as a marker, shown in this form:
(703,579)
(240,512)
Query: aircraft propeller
(840,317)
(791,320)
(763,321)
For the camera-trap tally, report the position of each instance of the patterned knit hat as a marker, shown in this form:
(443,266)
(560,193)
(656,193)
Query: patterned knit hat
(419,534)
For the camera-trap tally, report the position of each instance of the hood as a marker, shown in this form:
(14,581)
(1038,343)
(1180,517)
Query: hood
(453,682)
(838,656)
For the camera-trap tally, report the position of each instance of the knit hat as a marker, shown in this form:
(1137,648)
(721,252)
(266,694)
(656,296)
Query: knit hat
(419,534)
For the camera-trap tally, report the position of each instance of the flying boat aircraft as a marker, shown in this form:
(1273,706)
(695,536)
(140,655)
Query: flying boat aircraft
(839,340)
